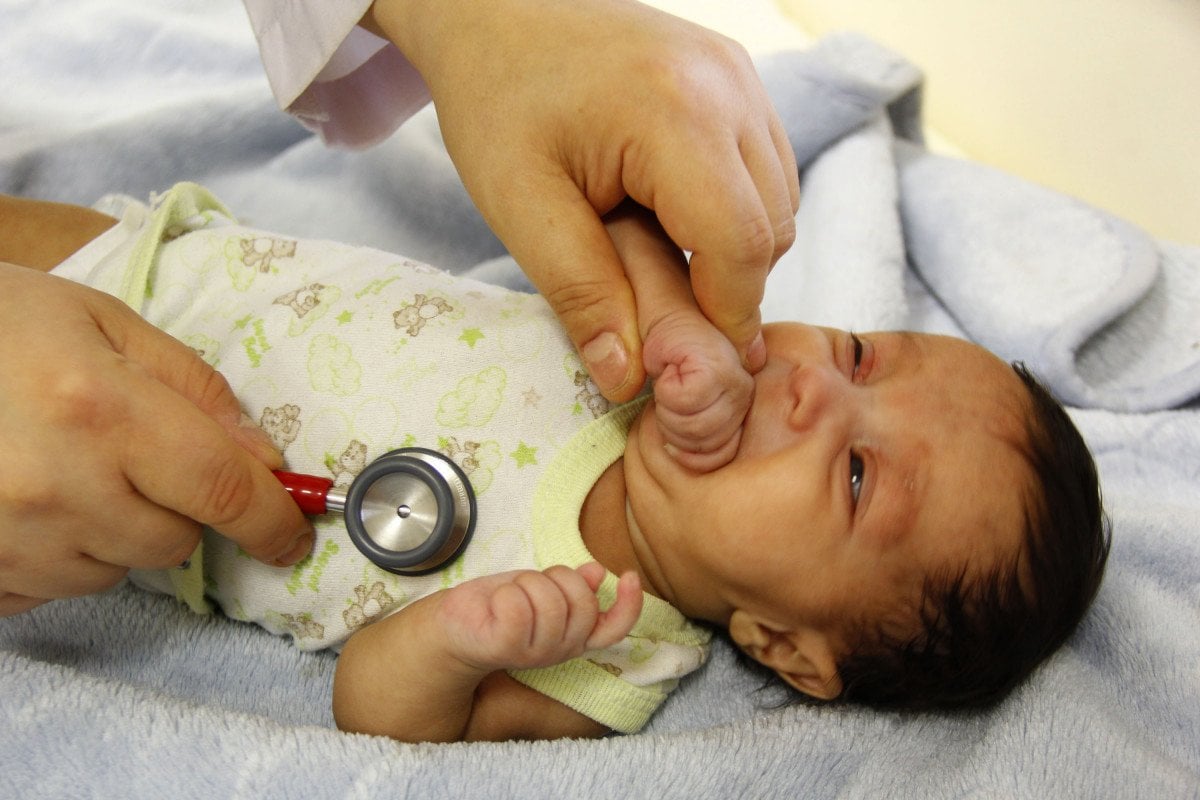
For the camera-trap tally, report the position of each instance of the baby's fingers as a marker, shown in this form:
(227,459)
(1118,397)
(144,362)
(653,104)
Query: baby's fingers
(615,624)
(701,461)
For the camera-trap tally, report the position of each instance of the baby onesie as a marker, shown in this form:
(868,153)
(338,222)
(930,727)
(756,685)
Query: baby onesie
(343,353)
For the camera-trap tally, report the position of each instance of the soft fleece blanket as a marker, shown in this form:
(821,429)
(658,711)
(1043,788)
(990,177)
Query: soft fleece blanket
(128,695)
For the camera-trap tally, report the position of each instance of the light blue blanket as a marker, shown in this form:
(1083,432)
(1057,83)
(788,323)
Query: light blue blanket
(128,695)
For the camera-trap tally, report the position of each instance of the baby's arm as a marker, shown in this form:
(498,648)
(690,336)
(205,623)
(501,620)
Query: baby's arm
(39,234)
(701,391)
(434,671)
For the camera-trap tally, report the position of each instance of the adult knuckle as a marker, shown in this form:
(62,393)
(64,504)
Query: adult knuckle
(82,400)
(225,491)
(28,491)
(675,73)
(784,234)
(209,387)
(26,500)
(168,549)
(754,241)
(579,297)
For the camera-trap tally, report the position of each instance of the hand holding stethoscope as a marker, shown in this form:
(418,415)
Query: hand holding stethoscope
(411,511)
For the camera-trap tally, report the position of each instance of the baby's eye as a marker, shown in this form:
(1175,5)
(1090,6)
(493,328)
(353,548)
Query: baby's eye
(856,477)
(858,351)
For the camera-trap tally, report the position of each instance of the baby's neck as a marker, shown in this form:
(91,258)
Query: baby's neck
(606,528)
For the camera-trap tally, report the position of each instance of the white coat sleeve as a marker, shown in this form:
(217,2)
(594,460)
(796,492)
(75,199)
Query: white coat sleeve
(350,86)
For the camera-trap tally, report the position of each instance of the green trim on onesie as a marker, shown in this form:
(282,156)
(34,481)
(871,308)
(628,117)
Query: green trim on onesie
(580,683)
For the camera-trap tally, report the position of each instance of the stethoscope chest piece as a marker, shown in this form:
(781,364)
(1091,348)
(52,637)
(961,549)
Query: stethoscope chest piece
(411,511)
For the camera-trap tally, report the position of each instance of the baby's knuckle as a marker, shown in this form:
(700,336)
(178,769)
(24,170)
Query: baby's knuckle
(691,429)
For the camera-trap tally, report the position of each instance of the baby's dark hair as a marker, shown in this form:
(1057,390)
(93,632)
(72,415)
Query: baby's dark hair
(982,636)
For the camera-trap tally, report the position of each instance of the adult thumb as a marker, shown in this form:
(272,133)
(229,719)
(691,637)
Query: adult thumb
(198,415)
(562,245)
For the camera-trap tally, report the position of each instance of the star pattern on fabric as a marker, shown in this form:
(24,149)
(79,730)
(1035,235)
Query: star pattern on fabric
(345,317)
(471,336)
(532,397)
(524,455)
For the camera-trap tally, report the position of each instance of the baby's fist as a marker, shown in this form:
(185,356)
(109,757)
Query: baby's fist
(701,391)
(527,619)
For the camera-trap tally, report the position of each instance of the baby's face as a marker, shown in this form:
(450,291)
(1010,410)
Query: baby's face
(866,464)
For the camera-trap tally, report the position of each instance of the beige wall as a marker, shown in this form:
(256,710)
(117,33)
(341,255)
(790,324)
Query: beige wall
(1097,98)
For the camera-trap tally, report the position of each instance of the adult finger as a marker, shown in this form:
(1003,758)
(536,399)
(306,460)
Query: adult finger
(69,577)
(787,162)
(774,174)
(178,456)
(561,244)
(218,484)
(150,536)
(175,365)
(729,233)
(188,460)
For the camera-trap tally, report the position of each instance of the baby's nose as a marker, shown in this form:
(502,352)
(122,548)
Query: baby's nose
(820,395)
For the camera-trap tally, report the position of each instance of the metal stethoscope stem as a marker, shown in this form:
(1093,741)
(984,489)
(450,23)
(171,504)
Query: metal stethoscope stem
(411,511)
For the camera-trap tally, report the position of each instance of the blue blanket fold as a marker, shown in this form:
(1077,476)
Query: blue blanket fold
(126,694)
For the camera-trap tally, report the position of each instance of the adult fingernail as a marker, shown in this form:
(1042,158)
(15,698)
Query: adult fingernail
(300,550)
(606,361)
(756,354)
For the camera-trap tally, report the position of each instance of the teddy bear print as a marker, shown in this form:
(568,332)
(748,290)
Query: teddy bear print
(352,461)
(366,605)
(412,317)
(303,300)
(589,395)
(303,626)
(281,424)
(261,251)
(478,460)
(204,346)
(463,454)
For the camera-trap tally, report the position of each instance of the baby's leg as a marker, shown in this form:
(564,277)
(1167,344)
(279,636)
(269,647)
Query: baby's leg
(40,234)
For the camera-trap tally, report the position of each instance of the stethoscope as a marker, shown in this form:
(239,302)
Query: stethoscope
(411,511)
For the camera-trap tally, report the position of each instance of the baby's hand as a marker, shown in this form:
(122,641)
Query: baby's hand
(701,391)
(526,619)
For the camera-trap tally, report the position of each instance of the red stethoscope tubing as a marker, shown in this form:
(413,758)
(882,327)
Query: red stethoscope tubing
(309,491)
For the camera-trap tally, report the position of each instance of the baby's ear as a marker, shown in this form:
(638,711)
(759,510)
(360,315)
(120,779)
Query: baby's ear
(804,658)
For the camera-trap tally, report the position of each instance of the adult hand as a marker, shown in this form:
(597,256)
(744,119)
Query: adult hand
(116,438)
(554,111)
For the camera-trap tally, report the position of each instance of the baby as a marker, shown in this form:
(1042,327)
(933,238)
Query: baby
(899,519)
